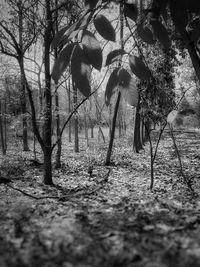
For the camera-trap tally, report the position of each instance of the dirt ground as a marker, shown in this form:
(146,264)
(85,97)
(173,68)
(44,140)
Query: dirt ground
(104,220)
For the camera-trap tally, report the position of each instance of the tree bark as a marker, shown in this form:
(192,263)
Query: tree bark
(112,135)
(47,99)
(69,111)
(59,144)
(5,124)
(137,146)
(76,136)
(1,131)
(22,88)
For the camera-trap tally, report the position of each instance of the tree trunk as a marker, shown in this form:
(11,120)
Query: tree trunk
(69,111)
(59,141)
(76,136)
(100,134)
(137,146)
(1,132)
(23,106)
(112,135)
(195,59)
(5,124)
(47,179)
(22,87)
(47,98)
(86,129)
(91,129)
(59,144)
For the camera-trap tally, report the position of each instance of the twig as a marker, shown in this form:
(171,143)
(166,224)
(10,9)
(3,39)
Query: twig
(29,195)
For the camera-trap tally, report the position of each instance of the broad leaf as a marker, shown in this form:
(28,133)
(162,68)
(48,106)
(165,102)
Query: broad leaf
(130,10)
(81,71)
(104,27)
(161,33)
(58,37)
(145,34)
(92,50)
(128,88)
(62,62)
(114,55)
(91,3)
(111,86)
(172,116)
(139,68)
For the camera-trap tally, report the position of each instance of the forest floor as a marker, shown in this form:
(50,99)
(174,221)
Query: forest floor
(89,222)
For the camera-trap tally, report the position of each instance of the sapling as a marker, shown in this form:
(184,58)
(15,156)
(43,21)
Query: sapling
(153,152)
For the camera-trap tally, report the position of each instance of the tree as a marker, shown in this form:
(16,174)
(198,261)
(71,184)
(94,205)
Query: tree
(185,17)
(18,32)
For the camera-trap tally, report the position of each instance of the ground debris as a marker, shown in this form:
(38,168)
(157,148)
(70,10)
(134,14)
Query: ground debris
(105,217)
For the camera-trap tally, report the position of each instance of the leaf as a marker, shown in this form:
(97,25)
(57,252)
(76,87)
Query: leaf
(111,86)
(81,71)
(172,116)
(128,88)
(161,33)
(130,10)
(104,28)
(91,3)
(139,68)
(114,55)
(58,37)
(145,34)
(62,62)
(92,50)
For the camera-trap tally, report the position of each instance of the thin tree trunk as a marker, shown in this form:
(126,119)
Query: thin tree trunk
(137,145)
(5,124)
(76,136)
(91,129)
(59,143)
(1,131)
(69,111)
(100,134)
(112,135)
(86,129)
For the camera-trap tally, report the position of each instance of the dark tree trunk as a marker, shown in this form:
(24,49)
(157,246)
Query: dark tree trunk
(91,129)
(59,141)
(69,111)
(47,99)
(137,146)
(112,135)
(76,136)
